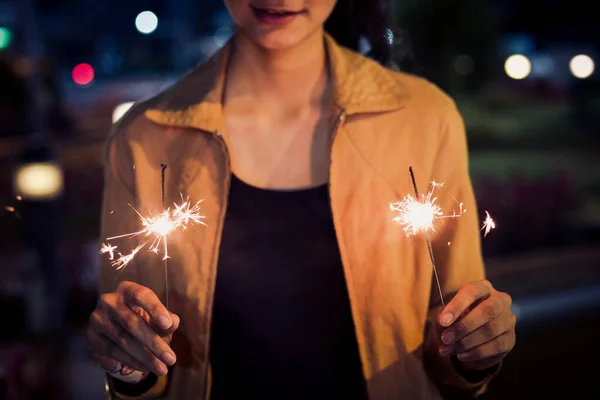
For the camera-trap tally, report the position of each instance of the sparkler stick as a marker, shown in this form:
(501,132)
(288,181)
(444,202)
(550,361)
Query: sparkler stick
(165,259)
(428,240)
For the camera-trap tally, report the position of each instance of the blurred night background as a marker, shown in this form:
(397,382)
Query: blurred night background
(68,69)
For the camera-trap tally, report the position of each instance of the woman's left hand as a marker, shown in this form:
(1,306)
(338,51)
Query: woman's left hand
(478,326)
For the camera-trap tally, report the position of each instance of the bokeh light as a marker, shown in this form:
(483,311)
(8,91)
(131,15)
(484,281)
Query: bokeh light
(120,110)
(5,38)
(517,66)
(146,22)
(582,66)
(83,74)
(39,181)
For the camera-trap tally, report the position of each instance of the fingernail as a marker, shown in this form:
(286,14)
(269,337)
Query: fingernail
(176,318)
(445,350)
(463,356)
(168,358)
(113,366)
(448,337)
(161,369)
(446,319)
(164,322)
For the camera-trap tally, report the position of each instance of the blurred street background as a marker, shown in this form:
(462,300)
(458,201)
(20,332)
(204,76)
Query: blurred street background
(524,75)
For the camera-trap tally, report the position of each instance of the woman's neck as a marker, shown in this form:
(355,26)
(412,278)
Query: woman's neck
(271,76)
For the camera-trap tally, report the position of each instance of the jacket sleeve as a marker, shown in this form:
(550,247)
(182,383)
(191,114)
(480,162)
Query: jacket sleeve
(119,218)
(456,246)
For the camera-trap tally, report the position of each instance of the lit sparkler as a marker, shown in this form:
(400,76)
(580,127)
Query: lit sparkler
(488,224)
(157,228)
(418,213)
(155,231)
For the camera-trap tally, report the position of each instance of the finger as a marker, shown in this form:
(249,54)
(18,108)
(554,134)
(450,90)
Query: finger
(486,311)
(138,295)
(131,325)
(484,334)
(96,346)
(126,360)
(166,333)
(110,356)
(127,342)
(499,345)
(482,365)
(175,325)
(496,327)
(466,296)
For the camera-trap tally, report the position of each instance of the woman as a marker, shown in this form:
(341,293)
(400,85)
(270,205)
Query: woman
(296,145)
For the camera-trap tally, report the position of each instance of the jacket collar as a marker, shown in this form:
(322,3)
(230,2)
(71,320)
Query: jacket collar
(360,85)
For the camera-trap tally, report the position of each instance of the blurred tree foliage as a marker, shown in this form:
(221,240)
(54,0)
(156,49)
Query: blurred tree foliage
(437,31)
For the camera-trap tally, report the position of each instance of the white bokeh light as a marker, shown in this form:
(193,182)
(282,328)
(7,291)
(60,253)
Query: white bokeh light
(582,66)
(39,181)
(120,110)
(146,22)
(517,66)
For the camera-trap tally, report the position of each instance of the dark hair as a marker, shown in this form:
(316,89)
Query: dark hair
(353,19)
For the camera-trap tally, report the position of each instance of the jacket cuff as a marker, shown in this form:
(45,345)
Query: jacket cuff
(153,387)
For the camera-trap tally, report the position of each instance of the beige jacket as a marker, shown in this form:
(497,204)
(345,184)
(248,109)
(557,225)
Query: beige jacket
(387,121)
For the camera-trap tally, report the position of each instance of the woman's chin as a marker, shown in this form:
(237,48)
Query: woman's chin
(277,40)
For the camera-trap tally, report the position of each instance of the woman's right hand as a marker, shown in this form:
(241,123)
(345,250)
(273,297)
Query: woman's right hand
(132,327)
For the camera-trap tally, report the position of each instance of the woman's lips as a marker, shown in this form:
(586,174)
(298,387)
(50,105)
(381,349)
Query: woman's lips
(272,16)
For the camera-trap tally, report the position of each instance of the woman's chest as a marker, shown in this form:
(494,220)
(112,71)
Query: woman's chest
(279,153)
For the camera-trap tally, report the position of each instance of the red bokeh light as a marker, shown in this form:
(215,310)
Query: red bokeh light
(83,74)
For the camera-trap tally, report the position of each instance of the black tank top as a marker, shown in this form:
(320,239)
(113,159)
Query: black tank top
(282,326)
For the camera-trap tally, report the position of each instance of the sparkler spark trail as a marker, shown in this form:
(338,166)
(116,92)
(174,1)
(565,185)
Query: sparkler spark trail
(157,228)
(488,224)
(108,249)
(123,260)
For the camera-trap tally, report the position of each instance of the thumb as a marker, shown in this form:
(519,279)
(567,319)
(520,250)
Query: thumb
(174,325)
(167,332)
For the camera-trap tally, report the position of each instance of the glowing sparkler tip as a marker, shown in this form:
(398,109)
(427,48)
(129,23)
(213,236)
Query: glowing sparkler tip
(418,214)
(488,224)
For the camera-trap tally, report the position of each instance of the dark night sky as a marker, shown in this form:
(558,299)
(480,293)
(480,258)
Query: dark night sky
(555,18)
(70,27)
